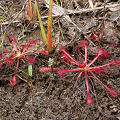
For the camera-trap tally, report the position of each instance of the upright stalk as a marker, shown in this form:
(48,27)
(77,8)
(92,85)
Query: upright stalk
(49,47)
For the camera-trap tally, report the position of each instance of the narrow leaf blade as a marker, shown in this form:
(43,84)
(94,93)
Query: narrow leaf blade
(30,70)
(41,25)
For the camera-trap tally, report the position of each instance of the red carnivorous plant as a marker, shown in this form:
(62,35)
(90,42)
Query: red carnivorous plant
(94,37)
(85,67)
(22,54)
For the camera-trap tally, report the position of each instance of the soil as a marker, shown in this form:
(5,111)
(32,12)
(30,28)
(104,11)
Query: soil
(47,96)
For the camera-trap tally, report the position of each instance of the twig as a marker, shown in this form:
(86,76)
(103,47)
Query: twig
(93,9)
(16,15)
(68,12)
(25,81)
(7,22)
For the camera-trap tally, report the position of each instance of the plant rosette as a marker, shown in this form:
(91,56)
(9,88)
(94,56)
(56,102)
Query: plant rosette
(85,67)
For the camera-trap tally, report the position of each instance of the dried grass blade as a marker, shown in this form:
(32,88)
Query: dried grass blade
(35,16)
(29,10)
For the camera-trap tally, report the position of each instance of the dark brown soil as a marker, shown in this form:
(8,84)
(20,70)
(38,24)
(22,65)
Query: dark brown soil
(47,96)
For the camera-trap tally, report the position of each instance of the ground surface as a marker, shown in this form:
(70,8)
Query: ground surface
(52,97)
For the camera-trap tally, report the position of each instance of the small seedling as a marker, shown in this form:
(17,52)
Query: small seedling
(85,67)
(50,62)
